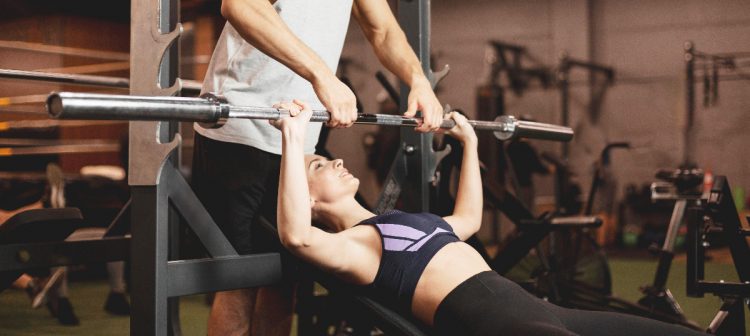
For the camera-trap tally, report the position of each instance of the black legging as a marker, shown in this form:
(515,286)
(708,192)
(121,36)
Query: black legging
(488,304)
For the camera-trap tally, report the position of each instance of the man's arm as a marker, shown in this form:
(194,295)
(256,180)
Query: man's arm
(259,24)
(394,52)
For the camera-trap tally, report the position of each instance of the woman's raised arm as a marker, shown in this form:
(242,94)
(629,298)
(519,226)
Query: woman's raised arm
(294,216)
(467,214)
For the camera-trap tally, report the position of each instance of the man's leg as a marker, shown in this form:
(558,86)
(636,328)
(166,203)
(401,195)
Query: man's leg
(274,306)
(274,310)
(230,180)
(232,312)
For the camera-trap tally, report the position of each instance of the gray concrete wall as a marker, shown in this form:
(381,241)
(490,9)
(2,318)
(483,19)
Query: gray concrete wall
(642,40)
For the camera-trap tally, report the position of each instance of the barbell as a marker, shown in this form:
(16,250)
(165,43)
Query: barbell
(213,111)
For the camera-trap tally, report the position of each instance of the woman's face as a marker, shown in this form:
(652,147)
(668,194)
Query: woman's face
(329,181)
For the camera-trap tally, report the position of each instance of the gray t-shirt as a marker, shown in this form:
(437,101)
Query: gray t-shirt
(247,77)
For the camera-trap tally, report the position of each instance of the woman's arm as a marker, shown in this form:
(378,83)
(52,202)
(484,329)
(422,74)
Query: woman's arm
(323,249)
(467,214)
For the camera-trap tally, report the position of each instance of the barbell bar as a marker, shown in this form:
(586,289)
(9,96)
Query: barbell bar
(213,111)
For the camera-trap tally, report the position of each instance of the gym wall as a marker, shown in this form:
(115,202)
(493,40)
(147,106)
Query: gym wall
(642,40)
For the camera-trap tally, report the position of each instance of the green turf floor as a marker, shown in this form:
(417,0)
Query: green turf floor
(17,318)
(628,275)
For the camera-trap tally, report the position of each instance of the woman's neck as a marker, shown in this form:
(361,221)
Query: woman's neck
(344,214)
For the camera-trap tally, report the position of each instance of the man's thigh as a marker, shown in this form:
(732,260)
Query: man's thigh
(232,181)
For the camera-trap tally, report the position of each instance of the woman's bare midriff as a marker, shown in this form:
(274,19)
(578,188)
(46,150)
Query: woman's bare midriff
(450,266)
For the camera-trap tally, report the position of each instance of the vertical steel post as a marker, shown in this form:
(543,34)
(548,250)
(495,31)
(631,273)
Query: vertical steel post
(563,76)
(153,71)
(687,160)
(168,72)
(695,251)
(148,261)
(414,18)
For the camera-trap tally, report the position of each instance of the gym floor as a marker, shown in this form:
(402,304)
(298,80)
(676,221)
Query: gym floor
(88,298)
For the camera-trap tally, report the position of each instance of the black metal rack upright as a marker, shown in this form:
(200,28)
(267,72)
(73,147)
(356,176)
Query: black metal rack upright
(160,195)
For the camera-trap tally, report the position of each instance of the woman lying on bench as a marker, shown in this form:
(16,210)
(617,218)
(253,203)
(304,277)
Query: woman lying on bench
(419,260)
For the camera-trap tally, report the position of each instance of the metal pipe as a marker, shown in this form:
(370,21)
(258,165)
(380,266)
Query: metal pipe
(106,81)
(35,124)
(60,149)
(212,110)
(591,66)
(65,78)
(687,135)
(31,142)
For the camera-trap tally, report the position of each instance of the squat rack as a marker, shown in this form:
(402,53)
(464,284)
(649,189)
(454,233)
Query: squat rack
(156,182)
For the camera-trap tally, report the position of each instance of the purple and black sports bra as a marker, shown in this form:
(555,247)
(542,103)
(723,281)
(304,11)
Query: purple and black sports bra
(409,243)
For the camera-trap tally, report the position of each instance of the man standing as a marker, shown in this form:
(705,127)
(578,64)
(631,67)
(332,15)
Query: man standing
(270,52)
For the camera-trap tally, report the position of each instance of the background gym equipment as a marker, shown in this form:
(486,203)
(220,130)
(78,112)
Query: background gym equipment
(718,217)
(683,186)
(710,69)
(568,269)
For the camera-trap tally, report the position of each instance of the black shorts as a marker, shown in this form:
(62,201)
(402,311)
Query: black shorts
(488,304)
(237,183)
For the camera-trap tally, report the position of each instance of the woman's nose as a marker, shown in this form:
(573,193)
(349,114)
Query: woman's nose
(338,163)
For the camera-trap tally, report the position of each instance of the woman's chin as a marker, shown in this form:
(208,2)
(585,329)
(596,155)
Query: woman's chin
(355,182)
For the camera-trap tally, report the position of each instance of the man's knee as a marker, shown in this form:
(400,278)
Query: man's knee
(278,297)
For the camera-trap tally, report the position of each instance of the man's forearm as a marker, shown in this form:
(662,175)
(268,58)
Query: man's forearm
(259,24)
(395,53)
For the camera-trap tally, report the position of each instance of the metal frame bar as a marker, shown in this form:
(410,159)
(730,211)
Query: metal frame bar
(191,87)
(687,137)
(60,149)
(188,277)
(21,124)
(18,257)
(70,51)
